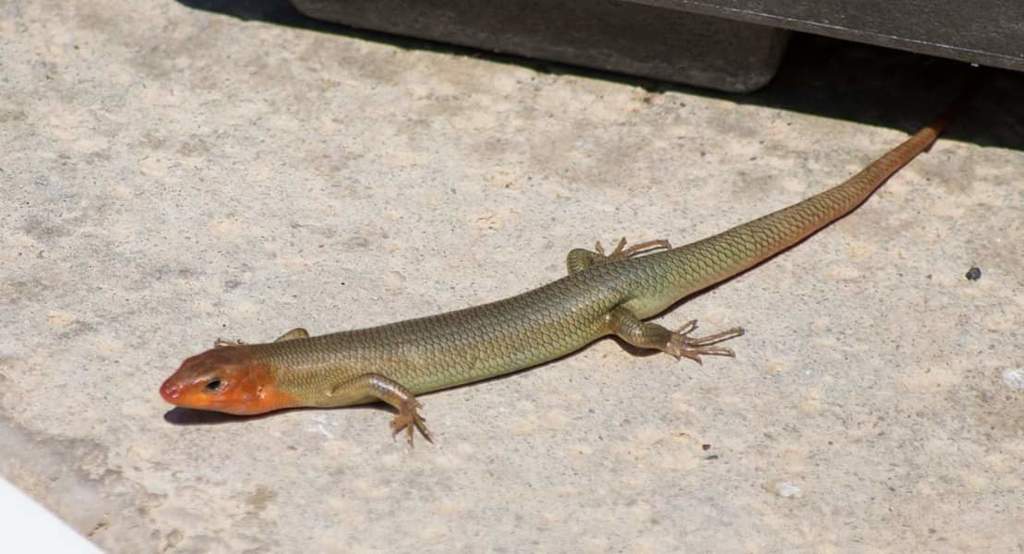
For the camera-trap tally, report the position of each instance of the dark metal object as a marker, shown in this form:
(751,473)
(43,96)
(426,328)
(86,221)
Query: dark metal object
(730,45)
(986,32)
(619,36)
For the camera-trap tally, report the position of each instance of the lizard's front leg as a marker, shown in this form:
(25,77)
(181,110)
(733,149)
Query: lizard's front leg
(678,344)
(374,385)
(296,333)
(581,258)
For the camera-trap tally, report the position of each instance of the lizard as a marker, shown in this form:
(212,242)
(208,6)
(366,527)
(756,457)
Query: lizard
(603,294)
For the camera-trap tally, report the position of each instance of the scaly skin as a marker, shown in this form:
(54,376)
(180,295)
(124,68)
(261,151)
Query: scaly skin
(602,295)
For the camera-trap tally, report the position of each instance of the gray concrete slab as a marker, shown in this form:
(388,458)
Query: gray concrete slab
(172,174)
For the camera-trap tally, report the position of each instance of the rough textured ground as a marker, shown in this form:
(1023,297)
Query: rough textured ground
(174,173)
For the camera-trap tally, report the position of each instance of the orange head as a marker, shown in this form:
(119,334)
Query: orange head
(226,379)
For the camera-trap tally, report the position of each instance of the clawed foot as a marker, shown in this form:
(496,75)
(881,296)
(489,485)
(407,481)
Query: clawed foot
(621,252)
(408,418)
(682,345)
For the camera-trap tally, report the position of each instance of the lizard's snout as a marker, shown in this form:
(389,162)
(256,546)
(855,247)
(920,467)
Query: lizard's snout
(170,391)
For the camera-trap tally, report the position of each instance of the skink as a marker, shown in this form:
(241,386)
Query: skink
(603,294)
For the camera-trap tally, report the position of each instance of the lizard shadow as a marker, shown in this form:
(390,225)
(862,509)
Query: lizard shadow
(188,416)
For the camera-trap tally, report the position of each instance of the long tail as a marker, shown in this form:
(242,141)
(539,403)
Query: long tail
(721,256)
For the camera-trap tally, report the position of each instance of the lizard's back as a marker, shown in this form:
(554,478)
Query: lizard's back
(470,344)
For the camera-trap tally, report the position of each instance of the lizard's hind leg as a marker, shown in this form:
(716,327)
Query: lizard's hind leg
(678,344)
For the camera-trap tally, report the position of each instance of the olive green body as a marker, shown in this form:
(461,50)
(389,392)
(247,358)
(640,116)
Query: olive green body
(480,342)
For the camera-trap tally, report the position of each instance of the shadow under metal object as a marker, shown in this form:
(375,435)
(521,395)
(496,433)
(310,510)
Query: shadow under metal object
(984,32)
(728,45)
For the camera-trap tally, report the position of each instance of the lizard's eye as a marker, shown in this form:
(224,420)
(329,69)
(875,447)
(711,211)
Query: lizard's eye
(214,385)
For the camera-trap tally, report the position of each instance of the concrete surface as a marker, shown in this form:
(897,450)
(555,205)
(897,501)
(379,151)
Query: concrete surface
(174,173)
